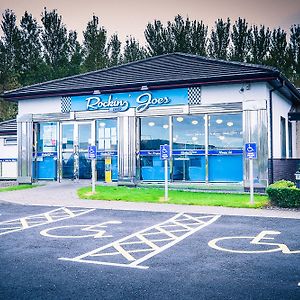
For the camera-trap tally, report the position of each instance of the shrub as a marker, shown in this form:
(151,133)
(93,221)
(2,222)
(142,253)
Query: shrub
(284,194)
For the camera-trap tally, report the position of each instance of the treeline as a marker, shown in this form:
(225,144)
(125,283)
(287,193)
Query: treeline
(30,53)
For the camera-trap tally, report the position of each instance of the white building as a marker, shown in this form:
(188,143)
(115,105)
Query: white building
(8,150)
(206,110)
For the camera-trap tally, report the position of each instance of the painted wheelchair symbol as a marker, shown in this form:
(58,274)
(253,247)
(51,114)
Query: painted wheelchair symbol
(254,240)
(96,231)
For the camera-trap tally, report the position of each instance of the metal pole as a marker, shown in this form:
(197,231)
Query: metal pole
(251,181)
(93,175)
(166,180)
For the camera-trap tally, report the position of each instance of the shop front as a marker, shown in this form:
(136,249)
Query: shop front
(205,110)
(204,146)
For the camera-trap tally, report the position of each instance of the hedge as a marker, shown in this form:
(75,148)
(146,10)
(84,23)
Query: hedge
(284,194)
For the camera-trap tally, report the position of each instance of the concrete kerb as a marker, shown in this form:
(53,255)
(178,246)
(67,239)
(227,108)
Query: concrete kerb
(64,194)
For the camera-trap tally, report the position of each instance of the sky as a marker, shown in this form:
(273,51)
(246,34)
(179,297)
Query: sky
(130,17)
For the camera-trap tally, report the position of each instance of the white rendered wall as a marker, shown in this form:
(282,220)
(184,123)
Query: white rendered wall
(8,169)
(281,108)
(226,93)
(8,151)
(39,106)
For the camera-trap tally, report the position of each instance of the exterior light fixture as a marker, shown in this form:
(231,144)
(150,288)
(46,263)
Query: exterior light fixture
(229,124)
(96,92)
(194,122)
(151,124)
(179,119)
(221,137)
(102,124)
(144,88)
(165,126)
(194,138)
(219,121)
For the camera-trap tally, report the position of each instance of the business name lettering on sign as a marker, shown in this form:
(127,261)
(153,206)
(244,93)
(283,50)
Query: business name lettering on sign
(145,101)
(95,103)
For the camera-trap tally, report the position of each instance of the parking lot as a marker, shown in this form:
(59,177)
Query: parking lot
(80,253)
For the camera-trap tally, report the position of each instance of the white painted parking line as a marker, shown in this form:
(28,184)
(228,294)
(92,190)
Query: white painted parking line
(138,247)
(54,215)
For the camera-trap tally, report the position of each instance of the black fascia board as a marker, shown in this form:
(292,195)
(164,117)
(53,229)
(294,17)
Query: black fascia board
(135,87)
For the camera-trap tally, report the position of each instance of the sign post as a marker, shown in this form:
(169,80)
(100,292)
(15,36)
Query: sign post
(92,151)
(165,155)
(251,153)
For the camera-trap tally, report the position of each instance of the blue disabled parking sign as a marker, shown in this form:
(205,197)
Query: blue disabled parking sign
(251,150)
(164,152)
(92,152)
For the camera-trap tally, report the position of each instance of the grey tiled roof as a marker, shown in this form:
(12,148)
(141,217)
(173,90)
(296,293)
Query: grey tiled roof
(8,127)
(164,70)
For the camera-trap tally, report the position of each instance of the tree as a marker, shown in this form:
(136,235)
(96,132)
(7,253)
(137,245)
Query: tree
(219,39)
(133,51)
(294,49)
(8,75)
(154,35)
(180,31)
(29,62)
(75,56)
(259,44)
(95,52)
(114,51)
(198,38)
(240,40)
(278,53)
(55,43)
(10,39)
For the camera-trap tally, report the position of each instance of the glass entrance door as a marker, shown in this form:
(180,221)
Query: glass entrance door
(76,138)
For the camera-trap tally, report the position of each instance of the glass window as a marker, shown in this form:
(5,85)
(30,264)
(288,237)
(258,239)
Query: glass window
(290,139)
(10,141)
(47,139)
(67,136)
(225,131)
(188,132)
(84,136)
(154,132)
(283,137)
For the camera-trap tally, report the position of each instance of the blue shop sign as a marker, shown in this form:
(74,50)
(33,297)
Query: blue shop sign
(194,152)
(107,153)
(119,102)
(8,159)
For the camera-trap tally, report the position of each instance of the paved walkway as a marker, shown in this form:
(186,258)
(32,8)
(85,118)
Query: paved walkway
(64,194)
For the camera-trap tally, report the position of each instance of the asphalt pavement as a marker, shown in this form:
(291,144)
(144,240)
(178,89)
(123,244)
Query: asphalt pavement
(62,252)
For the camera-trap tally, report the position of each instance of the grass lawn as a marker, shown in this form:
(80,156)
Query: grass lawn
(155,195)
(17,187)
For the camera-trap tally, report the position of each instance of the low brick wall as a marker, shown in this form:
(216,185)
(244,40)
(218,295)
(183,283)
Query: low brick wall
(285,169)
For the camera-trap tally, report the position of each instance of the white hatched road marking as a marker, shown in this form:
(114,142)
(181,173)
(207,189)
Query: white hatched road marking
(54,215)
(117,250)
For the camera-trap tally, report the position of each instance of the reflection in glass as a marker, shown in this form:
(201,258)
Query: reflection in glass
(84,136)
(154,132)
(189,133)
(226,131)
(67,136)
